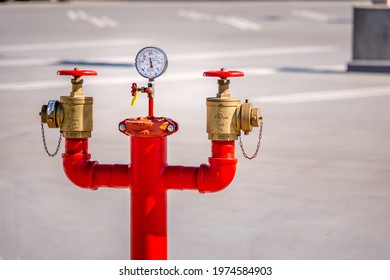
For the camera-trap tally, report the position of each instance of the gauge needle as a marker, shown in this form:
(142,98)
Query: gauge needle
(151,64)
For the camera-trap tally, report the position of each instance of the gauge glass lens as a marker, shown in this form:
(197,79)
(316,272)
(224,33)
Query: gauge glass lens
(151,62)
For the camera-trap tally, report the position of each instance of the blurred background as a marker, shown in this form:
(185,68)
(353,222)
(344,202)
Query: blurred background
(319,188)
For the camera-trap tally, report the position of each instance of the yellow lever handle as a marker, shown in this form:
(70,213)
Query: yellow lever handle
(134,100)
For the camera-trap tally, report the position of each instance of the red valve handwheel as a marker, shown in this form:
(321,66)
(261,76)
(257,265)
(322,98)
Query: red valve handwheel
(77,72)
(134,88)
(223,74)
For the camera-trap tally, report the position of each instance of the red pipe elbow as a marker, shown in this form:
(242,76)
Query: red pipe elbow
(221,169)
(216,176)
(88,174)
(212,177)
(78,169)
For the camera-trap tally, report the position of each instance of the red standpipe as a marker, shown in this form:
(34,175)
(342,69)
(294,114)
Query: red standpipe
(148,214)
(149,177)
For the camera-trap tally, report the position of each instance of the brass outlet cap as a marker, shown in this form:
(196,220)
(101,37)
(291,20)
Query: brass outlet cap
(42,113)
(247,117)
(52,114)
(255,117)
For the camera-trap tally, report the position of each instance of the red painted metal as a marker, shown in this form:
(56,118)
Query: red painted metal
(148,127)
(148,199)
(212,177)
(77,73)
(134,88)
(151,108)
(88,174)
(149,177)
(223,74)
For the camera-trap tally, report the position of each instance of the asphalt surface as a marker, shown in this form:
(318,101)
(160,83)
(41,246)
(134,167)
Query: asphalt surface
(319,189)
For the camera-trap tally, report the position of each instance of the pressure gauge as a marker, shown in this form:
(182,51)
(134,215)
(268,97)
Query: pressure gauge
(151,62)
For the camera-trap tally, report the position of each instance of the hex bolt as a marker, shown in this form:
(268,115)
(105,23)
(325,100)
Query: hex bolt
(122,127)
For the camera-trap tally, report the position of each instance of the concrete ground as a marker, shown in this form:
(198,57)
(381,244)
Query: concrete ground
(319,189)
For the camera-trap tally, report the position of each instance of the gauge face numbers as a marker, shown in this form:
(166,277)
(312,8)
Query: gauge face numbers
(151,62)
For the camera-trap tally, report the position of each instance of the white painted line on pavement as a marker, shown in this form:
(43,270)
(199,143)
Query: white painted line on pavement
(253,52)
(238,22)
(100,22)
(109,21)
(311,15)
(325,95)
(72,45)
(31,85)
(234,21)
(337,67)
(28,61)
(194,15)
(177,57)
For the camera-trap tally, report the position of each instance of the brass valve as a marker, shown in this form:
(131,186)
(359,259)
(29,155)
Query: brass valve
(73,113)
(226,116)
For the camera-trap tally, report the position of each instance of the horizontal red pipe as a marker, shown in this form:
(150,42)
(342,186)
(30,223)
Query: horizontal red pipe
(88,174)
(212,177)
(180,177)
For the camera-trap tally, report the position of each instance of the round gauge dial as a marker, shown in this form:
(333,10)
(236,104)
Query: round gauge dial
(151,62)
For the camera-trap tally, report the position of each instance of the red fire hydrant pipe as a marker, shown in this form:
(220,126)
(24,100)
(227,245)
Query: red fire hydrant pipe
(152,177)
(215,176)
(88,174)
(149,177)
(148,223)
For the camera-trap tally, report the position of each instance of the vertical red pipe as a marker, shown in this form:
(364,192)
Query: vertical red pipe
(148,199)
(151,107)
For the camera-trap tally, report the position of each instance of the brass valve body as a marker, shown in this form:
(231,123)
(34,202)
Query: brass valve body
(222,118)
(72,114)
(77,121)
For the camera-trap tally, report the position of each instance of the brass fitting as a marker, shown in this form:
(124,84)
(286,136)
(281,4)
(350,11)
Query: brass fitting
(78,111)
(227,117)
(72,114)
(247,117)
(52,114)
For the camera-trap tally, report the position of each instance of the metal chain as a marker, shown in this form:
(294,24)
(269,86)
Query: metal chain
(44,143)
(258,144)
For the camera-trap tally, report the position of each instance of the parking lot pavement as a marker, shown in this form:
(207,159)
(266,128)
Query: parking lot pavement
(319,188)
